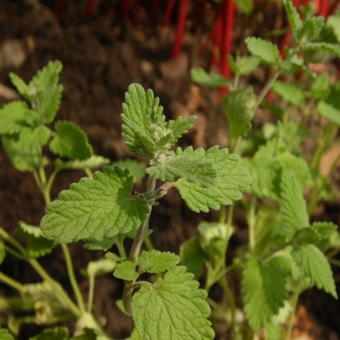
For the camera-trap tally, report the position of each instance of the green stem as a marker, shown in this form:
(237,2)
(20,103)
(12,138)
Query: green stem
(231,301)
(7,237)
(121,249)
(88,172)
(72,277)
(11,282)
(92,282)
(14,253)
(251,217)
(294,300)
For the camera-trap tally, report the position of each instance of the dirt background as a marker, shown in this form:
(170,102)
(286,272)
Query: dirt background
(101,57)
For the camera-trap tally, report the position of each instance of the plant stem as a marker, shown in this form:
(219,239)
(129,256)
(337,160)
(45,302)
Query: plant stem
(294,299)
(251,223)
(72,277)
(14,253)
(11,282)
(121,249)
(92,282)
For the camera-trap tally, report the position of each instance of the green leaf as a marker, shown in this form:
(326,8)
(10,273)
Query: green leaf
(143,121)
(202,77)
(70,141)
(244,65)
(265,50)
(45,91)
(24,150)
(100,267)
(239,106)
(294,19)
(172,308)
(192,256)
(2,252)
(179,127)
(333,23)
(312,28)
(264,290)
(324,229)
(94,162)
(95,208)
(322,46)
(89,334)
(20,84)
(126,270)
(154,261)
(29,229)
(294,214)
(191,165)
(329,111)
(5,334)
(289,92)
(231,179)
(135,168)
(314,264)
(57,333)
(245,6)
(320,87)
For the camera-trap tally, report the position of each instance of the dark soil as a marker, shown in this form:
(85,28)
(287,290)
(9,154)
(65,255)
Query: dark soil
(101,57)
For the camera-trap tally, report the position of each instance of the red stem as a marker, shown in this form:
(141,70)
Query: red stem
(168,12)
(217,36)
(179,35)
(333,8)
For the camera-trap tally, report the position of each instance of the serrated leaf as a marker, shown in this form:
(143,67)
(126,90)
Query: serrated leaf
(239,107)
(231,179)
(24,150)
(38,247)
(333,22)
(265,50)
(100,267)
(57,333)
(143,121)
(329,111)
(191,165)
(20,84)
(94,162)
(289,92)
(314,264)
(29,229)
(312,28)
(5,334)
(126,270)
(154,261)
(244,65)
(322,46)
(324,229)
(263,284)
(70,141)
(320,87)
(172,308)
(294,214)
(2,252)
(135,168)
(179,127)
(293,16)
(89,334)
(95,208)
(202,77)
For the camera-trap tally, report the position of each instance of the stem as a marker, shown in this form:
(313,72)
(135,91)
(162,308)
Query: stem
(92,283)
(293,301)
(88,172)
(11,282)
(251,217)
(7,237)
(14,253)
(72,277)
(121,249)
(230,297)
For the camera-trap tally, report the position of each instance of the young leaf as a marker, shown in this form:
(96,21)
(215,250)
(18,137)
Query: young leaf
(95,208)
(324,229)
(263,284)
(289,92)
(265,50)
(200,76)
(244,65)
(135,168)
(322,46)
(38,247)
(20,84)
(57,333)
(126,270)
(312,28)
(154,261)
(231,178)
(294,19)
(191,165)
(94,162)
(314,264)
(100,267)
(70,141)
(179,127)
(329,111)
(171,308)
(239,106)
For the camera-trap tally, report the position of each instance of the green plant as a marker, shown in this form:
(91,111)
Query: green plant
(286,251)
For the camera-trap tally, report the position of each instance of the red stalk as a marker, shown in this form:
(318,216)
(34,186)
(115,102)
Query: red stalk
(59,7)
(90,8)
(179,35)
(217,36)
(333,8)
(168,12)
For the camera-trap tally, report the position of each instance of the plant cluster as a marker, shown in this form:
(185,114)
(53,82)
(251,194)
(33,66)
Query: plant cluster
(264,170)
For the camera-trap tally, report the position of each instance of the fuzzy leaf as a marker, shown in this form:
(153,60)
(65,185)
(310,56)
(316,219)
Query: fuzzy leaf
(202,77)
(172,308)
(289,92)
(5,334)
(239,106)
(70,141)
(57,333)
(264,286)
(135,168)
(20,84)
(265,50)
(244,65)
(322,46)
(179,127)
(231,178)
(95,208)
(314,264)
(94,162)
(312,28)
(329,111)
(191,165)
(126,270)
(154,261)
(294,19)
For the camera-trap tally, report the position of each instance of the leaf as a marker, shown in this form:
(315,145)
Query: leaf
(38,247)
(154,261)
(20,84)
(191,165)
(45,91)
(94,162)
(57,333)
(312,28)
(172,308)
(200,76)
(265,50)
(324,229)
(333,23)
(143,121)
(29,229)
(294,214)
(135,168)
(239,106)
(264,286)
(24,150)
(244,65)
(100,267)
(245,6)
(231,179)
(70,141)
(179,127)
(289,92)
(314,264)
(329,111)
(95,208)
(126,270)
(5,334)
(293,16)
(2,252)
(322,46)
(320,87)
